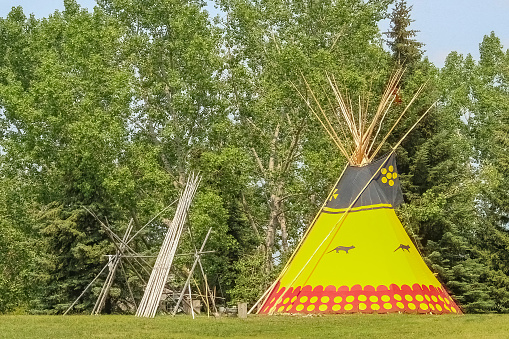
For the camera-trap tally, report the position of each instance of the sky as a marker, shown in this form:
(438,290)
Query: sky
(444,25)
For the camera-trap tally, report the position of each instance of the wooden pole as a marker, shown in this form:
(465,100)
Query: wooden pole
(86,288)
(191,300)
(191,273)
(242,310)
(153,291)
(103,295)
(128,285)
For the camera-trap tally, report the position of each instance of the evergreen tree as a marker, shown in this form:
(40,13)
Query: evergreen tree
(435,159)
(405,49)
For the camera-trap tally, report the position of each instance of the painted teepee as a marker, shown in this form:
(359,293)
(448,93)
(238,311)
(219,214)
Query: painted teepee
(356,256)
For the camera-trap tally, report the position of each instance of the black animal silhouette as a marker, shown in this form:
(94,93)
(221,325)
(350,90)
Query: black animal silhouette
(343,248)
(403,247)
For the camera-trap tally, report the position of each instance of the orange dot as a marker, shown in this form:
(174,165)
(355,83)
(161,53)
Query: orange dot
(313,300)
(311,308)
(431,306)
(408,297)
(299,307)
(454,310)
(447,301)
(441,299)
(373,298)
(397,297)
(324,299)
(281,309)
(273,300)
(427,297)
(336,307)
(348,307)
(286,301)
(439,307)
(411,306)
(362,306)
(375,307)
(386,298)
(293,299)
(400,305)
(338,299)
(423,306)
(362,297)
(303,299)
(349,299)
(419,297)
(289,307)
(323,308)
(434,298)
(387,306)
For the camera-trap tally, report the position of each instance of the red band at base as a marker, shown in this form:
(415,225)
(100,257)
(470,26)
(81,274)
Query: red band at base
(367,299)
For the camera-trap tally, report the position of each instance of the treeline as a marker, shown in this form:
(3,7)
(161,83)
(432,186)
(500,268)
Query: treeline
(111,109)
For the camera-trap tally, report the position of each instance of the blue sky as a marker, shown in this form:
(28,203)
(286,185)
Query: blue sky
(445,25)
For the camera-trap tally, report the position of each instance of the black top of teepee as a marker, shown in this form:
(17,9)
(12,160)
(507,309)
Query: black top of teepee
(383,188)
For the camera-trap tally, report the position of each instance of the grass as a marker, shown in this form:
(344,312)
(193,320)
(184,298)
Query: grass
(334,326)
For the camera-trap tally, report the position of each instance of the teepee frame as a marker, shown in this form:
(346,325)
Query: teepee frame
(150,301)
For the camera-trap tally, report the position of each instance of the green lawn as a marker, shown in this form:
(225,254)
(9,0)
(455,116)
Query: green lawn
(340,326)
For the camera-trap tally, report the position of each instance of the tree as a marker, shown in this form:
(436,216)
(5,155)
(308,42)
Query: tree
(267,46)
(450,183)
(181,121)
(405,49)
(488,119)
(66,106)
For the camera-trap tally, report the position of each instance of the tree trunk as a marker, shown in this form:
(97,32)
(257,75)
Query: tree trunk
(284,231)
(271,233)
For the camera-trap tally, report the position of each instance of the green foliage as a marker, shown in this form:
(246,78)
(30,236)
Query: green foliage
(111,110)
(406,50)
(268,47)
(251,278)
(456,192)
(17,265)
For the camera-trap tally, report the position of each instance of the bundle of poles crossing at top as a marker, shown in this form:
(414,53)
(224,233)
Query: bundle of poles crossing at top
(355,133)
(155,286)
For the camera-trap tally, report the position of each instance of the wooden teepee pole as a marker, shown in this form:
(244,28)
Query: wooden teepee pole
(191,274)
(86,289)
(155,286)
(103,295)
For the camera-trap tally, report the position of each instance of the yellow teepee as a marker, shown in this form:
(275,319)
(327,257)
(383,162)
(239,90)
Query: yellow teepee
(356,256)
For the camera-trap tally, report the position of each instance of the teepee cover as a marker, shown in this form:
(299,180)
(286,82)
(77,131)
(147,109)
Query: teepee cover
(357,257)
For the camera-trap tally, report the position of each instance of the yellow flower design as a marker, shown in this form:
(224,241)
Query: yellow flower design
(388,175)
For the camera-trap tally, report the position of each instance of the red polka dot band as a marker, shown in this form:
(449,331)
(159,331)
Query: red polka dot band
(367,299)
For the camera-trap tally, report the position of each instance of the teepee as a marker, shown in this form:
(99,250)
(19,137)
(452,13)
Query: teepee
(356,256)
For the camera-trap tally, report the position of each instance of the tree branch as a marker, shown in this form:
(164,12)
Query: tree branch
(258,160)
